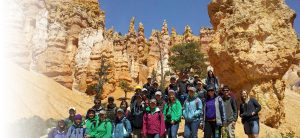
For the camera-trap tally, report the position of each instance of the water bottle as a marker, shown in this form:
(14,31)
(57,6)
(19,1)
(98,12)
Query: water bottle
(217,133)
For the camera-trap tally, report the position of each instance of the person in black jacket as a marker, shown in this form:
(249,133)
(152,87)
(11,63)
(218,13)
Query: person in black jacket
(249,109)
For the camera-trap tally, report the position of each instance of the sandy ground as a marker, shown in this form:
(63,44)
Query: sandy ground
(32,94)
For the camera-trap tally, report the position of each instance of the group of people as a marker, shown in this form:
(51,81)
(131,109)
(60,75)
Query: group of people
(154,113)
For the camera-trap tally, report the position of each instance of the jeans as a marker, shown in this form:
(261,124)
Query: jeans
(153,136)
(211,130)
(172,130)
(191,129)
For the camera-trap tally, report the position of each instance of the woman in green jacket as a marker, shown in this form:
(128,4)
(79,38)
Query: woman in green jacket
(91,124)
(105,127)
(172,114)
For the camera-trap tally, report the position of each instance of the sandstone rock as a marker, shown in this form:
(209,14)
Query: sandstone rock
(253,46)
(206,35)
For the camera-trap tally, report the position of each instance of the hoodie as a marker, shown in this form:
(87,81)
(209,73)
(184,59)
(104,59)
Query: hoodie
(153,122)
(192,109)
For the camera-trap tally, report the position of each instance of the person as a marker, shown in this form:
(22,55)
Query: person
(124,106)
(172,115)
(76,130)
(230,112)
(122,127)
(70,120)
(91,124)
(148,84)
(59,131)
(182,93)
(154,88)
(145,98)
(160,102)
(172,86)
(137,111)
(212,81)
(104,130)
(111,108)
(201,92)
(146,92)
(249,109)
(214,117)
(97,106)
(196,80)
(138,90)
(192,113)
(153,121)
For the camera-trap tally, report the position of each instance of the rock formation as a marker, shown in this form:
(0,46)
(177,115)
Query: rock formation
(206,35)
(253,46)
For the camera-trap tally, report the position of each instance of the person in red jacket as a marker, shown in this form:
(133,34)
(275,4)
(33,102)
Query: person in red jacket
(153,121)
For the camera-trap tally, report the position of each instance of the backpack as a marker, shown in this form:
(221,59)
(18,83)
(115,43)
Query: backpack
(73,128)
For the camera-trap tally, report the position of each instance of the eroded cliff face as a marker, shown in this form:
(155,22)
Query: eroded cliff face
(253,47)
(66,41)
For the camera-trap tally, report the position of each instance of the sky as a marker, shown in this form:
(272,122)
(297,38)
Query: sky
(178,14)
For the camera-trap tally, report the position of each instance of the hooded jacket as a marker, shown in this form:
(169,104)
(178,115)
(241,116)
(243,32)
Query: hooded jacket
(104,130)
(192,110)
(76,131)
(153,122)
(120,125)
(91,124)
(219,109)
(174,111)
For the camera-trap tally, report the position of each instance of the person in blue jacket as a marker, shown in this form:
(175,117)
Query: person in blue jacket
(192,113)
(122,126)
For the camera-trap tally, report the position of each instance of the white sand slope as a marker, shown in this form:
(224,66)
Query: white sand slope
(27,94)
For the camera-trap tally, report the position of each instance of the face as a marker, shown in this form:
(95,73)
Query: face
(78,122)
(155,85)
(138,90)
(172,81)
(139,99)
(149,80)
(91,114)
(72,113)
(119,114)
(226,92)
(244,95)
(191,93)
(153,105)
(211,93)
(157,97)
(97,102)
(199,85)
(102,117)
(210,73)
(172,97)
(110,101)
(61,124)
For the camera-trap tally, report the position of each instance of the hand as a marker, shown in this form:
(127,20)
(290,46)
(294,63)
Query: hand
(253,113)
(86,136)
(172,122)
(201,126)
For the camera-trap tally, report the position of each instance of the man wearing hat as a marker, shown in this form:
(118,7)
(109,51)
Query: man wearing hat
(148,84)
(70,120)
(171,86)
(154,88)
(160,100)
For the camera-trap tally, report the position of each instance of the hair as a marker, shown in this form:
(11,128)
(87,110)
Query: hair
(213,75)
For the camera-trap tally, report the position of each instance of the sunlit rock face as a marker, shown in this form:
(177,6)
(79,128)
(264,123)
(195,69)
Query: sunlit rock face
(253,47)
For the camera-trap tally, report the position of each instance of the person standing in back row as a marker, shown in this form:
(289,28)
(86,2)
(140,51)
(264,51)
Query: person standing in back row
(212,81)
(230,112)
(249,109)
